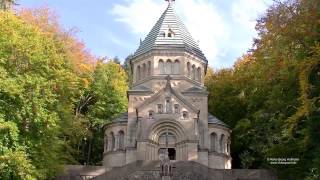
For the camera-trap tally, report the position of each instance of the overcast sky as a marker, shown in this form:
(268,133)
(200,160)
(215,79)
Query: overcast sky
(224,28)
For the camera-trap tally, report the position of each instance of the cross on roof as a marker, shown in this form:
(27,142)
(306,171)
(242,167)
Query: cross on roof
(170,1)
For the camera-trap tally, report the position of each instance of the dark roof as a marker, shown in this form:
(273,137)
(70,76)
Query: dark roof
(181,38)
(123,117)
(214,120)
(195,89)
(141,88)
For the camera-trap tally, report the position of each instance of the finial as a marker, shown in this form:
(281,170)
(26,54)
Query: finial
(168,78)
(168,85)
(170,1)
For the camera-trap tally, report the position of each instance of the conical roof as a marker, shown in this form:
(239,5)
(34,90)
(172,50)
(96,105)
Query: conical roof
(158,39)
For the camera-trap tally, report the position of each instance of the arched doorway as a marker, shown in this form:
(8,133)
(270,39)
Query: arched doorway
(170,151)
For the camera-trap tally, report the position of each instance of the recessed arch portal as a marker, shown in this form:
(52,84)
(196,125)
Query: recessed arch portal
(164,126)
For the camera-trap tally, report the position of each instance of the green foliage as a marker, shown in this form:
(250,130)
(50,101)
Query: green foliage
(38,90)
(13,159)
(106,97)
(109,88)
(271,96)
(53,100)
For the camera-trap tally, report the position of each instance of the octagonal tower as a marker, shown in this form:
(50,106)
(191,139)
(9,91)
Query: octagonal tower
(168,104)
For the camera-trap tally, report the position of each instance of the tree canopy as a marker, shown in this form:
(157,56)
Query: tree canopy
(45,73)
(55,97)
(271,96)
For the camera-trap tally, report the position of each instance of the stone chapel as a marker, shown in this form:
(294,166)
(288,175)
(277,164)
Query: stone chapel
(168,104)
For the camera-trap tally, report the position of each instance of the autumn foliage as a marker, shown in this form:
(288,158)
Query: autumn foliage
(45,72)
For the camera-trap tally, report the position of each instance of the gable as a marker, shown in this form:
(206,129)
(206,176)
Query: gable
(161,96)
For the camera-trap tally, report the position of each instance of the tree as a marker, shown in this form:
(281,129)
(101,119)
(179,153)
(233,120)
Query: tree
(105,98)
(38,91)
(272,93)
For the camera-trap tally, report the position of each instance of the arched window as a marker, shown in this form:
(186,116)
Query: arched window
(193,72)
(160,108)
(144,70)
(121,139)
(168,105)
(106,143)
(151,114)
(222,143)
(176,67)
(185,115)
(176,109)
(199,74)
(149,68)
(213,141)
(188,69)
(161,66)
(170,33)
(169,67)
(112,145)
(167,137)
(138,73)
(228,145)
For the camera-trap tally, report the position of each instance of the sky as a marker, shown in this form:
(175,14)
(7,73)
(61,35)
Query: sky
(224,28)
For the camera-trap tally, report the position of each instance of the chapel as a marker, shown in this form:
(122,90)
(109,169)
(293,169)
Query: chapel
(168,104)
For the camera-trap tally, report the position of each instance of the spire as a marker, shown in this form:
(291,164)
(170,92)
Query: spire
(169,33)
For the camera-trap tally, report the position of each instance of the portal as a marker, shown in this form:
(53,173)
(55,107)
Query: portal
(172,153)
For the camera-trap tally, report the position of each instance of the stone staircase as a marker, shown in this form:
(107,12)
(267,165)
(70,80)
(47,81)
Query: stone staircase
(183,170)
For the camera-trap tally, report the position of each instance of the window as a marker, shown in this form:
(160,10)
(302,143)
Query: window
(199,74)
(168,105)
(149,68)
(185,115)
(228,145)
(161,66)
(112,146)
(151,114)
(138,73)
(160,108)
(188,69)
(168,67)
(222,144)
(176,109)
(170,33)
(106,143)
(121,139)
(193,73)
(144,70)
(213,141)
(176,67)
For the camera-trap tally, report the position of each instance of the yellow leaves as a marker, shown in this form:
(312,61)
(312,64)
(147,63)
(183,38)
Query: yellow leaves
(243,61)
(75,53)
